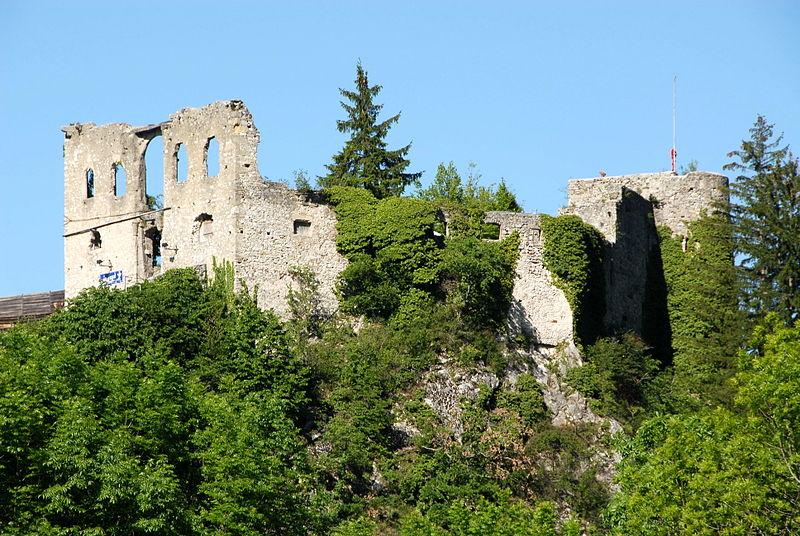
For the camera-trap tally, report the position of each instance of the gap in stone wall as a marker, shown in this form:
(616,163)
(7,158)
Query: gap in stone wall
(120,179)
(181,163)
(212,157)
(154,172)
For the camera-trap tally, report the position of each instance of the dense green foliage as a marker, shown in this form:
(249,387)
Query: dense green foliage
(616,376)
(166,409)
(765,211)
(630,380)
(448,187)
(179,407)
(706,323)
(465,202)
(364,161)
(720,471)
(398,266)
(725,459)
(573,253)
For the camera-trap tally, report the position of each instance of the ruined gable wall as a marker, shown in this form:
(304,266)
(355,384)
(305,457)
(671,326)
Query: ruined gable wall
(203,210)
(538,308)
(262,228)
(97,149)
(253,220)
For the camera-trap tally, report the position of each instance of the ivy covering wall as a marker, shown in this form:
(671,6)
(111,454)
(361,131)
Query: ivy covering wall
(573,253)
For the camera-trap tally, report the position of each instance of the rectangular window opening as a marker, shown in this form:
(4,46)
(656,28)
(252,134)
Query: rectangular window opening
(302,227)
(490,231)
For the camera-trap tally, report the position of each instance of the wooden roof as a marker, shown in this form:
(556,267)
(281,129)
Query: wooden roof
(29,306)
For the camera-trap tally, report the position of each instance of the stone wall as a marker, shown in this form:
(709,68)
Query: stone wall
(281,229)
(265,229)
(101,220)
(234,215)
(677,199)
(627,209)
(538,309)
(204,210)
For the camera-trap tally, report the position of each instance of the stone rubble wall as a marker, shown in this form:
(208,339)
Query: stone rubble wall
(281,229)
(265,229)
(539,309)
(97,149)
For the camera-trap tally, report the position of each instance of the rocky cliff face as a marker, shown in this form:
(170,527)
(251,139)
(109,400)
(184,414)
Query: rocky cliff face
(449,389)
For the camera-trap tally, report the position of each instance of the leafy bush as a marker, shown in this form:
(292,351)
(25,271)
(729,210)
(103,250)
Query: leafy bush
(481,278)
(167,408)
(615,376)
(398,265)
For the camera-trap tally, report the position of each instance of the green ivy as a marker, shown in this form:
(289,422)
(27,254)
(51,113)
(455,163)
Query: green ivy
(398,266)
(706,323)
(573,253)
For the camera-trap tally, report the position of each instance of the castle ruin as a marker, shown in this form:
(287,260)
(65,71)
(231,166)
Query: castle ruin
(113,236)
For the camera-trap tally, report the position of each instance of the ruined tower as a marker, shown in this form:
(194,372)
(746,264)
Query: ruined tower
(112,236)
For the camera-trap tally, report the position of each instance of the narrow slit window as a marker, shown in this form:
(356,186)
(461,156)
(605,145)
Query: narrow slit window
(302,227)
(120,179)
(212,157)
(181,163)
(89,183)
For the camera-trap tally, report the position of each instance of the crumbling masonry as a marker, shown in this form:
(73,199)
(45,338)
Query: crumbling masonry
(112,236)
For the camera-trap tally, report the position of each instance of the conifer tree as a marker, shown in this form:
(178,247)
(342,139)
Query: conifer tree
(765,212)
(364,161)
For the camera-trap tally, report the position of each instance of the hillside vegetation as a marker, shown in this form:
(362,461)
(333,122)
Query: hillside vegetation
(179,407)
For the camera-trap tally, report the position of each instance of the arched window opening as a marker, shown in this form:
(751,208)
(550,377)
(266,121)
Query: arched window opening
(154,173)
(181,163)
(153,245)
(212,157)
(89,183)
(120,179)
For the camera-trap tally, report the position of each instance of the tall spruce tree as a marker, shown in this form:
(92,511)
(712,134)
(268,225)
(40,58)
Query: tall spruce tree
(765,212)
(364,161)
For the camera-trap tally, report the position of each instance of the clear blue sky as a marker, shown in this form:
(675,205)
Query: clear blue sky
(534,92)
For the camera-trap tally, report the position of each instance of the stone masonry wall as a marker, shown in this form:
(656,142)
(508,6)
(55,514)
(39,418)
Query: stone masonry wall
(262,228)
(265,229)
(203,211)
(538,307)
(627,209)
(280,229)
(93,243)
(677,199)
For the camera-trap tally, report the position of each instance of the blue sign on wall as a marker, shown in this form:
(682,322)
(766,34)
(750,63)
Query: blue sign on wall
(111,278)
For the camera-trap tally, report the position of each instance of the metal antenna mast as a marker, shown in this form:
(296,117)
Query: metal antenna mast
(674,152)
